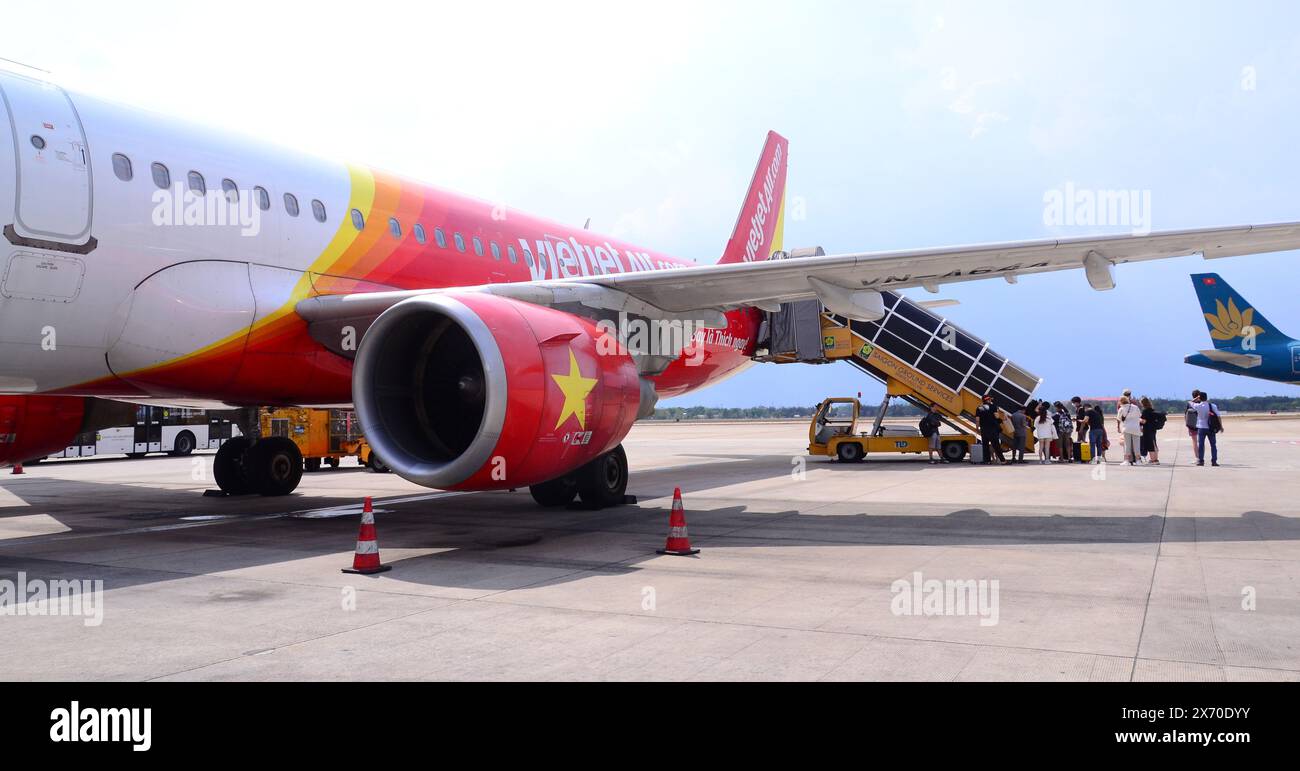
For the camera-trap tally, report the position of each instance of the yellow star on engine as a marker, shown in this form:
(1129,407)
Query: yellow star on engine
(575,388)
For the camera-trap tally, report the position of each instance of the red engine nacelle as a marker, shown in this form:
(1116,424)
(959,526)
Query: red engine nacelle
(477,392)
(35,426)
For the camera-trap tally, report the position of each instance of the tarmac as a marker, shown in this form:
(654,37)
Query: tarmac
(892,569)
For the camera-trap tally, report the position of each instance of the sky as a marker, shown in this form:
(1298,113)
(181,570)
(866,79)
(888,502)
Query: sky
(911,124)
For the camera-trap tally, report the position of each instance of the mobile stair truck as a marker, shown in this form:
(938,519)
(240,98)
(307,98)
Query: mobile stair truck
(921,357)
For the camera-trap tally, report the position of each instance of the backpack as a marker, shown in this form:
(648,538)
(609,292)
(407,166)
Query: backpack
(1216,423)
(1191,418)
(1064,425)
(927,427)
(1159,419)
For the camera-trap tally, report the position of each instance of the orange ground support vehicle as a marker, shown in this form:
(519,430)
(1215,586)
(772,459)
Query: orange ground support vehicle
(323,436)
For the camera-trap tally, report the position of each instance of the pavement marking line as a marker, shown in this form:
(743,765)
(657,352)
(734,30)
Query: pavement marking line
(1155,564)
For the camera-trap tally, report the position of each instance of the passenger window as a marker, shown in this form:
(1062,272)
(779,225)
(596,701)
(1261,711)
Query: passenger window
(263,198)
(510,252)
(197,185)
(440,238)
(419,233)
(231,190)
(318,210)
(358,221)
(161,176)
(478,246)
(291,204)
(394,227)
(496,251)
(528,257)
(460,242)
(122,167)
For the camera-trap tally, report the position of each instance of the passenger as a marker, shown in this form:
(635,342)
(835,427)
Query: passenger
(1064,433)
(1080,420)
(1045,433)
(1128,422)
(930,430)
(1019,434)
(1150,450)
(1096,420)
(1208,424)
(986,415)
(1191,418)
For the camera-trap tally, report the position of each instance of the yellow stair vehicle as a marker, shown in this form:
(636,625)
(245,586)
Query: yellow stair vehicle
(834,433)
(921,358)
(323,436)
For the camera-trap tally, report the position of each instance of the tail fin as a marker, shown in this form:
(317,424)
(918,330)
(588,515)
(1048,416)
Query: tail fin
(1231,320)
(760,228)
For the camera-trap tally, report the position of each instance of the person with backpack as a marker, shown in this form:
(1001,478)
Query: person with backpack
(930,430)
(1191,417)
(986,416)
(1152,422)
(1128,422)
(1208,425)
(1096,420)
(1045,432)
(1064,432)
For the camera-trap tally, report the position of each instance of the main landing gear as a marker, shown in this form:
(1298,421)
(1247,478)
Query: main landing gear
(601,483)
(268,466)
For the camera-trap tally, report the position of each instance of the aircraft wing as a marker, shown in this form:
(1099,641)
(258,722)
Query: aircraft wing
(682,289)
(841,281)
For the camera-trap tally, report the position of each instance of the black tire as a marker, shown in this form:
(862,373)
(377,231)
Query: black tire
(136,455)
(953,452)
(557,492)
(184,444)
(34,461)
(603,482)
(849,452)
(275,466)
(332,462)
(230,467)
(311,464)
(377,464)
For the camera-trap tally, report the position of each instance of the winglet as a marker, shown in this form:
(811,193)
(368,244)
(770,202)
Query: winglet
(760,227)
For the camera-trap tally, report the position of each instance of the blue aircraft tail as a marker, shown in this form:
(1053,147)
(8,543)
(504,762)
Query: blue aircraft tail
(1230,318)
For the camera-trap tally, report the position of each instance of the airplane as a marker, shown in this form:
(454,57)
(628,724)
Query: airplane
(153,261)
(1245,343)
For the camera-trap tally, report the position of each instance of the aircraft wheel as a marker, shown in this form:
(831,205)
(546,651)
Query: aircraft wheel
(557,492)
(230,468)
(276,465)
(603,482)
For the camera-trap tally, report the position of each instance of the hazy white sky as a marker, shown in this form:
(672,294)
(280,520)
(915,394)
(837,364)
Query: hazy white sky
(911,124)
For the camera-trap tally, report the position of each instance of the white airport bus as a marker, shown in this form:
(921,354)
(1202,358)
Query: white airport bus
(173,430)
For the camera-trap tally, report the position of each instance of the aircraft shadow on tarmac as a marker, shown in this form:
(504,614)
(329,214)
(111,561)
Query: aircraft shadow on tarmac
(497,541)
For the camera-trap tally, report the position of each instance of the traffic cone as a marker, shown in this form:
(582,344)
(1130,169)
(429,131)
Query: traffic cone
(18,468)
(679,541)
(366,561)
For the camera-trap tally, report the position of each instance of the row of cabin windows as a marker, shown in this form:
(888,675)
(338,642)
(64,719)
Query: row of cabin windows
(162,177)
(197,184)
(440,238)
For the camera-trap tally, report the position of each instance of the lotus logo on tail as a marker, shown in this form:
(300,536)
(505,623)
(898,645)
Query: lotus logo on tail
(1232,323)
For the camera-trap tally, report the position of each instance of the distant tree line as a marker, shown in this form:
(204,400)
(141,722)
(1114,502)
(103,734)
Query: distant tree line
(902,409)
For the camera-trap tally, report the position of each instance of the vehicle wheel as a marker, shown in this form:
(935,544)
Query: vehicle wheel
(849,452)
(136,455)
(230,467)
(557,492)
(377,464)
(184,444)
(311,464)
(953,452)
(34,461)
(603,482)
(332,462)
(275,464)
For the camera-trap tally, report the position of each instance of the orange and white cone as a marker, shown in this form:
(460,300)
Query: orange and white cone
(366,561)
(679,541)
(18,468)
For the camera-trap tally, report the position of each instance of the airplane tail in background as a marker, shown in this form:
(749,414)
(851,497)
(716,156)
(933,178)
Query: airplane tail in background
(1230,318)
(760,228)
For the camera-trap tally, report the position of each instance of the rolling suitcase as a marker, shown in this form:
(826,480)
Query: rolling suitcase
(977,453)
